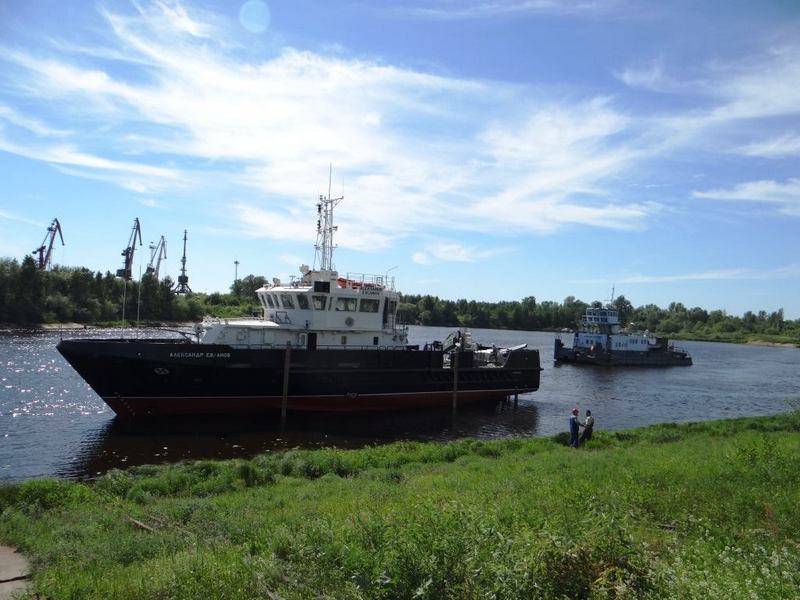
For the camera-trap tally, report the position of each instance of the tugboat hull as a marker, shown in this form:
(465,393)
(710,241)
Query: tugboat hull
(614,358)
(144,378)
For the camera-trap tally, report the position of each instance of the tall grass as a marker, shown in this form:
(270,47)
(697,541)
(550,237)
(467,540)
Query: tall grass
(694,510)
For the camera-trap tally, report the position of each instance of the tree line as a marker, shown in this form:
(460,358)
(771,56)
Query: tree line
(529,314)
(29,296)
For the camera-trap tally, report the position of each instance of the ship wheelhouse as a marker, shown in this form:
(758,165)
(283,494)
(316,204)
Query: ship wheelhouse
(600,329)
(320,309)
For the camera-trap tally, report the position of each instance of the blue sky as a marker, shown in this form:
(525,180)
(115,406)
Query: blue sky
(487,149)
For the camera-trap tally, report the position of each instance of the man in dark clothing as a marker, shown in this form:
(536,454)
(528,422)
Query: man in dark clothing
(588,426)
(573,429)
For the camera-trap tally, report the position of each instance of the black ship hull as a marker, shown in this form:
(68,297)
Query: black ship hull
(146,378)
(657,357)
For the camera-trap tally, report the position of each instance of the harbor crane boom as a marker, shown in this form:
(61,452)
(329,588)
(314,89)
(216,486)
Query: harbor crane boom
(127,265)
(157,253)
(183,278)
(44,253)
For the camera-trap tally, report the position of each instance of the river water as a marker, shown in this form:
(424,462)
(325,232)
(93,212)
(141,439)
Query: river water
(51,423)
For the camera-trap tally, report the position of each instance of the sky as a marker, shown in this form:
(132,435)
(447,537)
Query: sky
(485,149)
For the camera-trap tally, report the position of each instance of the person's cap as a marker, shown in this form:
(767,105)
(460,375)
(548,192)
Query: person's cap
(574,411)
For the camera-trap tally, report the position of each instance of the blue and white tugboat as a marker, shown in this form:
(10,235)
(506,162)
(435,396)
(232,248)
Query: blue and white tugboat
(324,342)
(600,341)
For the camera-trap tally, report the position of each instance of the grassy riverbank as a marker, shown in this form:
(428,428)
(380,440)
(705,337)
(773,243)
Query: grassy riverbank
(697,510)
(756,339)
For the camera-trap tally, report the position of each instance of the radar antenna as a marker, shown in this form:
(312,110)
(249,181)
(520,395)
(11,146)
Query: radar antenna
(183,278)
(127,264)
(325,228)
(44,253)
(157,253)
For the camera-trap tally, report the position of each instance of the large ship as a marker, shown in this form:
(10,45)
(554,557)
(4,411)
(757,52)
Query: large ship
(324,342)
(600,340)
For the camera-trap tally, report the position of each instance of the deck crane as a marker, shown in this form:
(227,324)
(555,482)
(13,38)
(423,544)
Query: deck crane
(183,278)
(157,253)
(127,266)
(44,253)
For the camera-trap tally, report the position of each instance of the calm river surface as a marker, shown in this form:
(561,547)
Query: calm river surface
(51,423)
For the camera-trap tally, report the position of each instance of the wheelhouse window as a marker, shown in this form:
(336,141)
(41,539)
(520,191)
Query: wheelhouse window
(344,340)
(302,301)
(369,305)
(346,304)
(270,303)
(319,302)
(286,301)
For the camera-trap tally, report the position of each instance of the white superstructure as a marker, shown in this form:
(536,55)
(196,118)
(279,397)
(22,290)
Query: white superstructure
(320,309)
(600,328)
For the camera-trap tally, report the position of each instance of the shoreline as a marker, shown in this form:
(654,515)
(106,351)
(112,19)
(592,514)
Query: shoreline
(772,344)
(71,326)
(635,513)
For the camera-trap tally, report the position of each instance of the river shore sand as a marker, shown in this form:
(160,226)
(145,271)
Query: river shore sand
(771,344)
(667,511)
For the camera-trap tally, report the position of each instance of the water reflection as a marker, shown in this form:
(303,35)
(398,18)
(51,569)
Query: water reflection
(52,423)
(117,443)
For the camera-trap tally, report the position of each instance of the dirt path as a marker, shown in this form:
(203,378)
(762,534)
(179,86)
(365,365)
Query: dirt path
(14,570)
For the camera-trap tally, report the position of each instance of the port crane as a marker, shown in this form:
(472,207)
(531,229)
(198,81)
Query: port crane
(157,253)
(183,278)
(44,253)
(127,266)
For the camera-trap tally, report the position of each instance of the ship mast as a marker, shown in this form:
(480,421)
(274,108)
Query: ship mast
(325,228)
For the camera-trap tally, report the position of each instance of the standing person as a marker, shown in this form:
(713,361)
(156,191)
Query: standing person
(573,429)
(588,427)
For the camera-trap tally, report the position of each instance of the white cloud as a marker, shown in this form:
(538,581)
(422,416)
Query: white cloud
(446,251)
(785,195)
(764,86)
(554,156)
(473,9)
(9,216)
(785,272)
(778,147)
(421,258)
(649,77)
(728,102)
(410,162)
(31,124)
(135,176)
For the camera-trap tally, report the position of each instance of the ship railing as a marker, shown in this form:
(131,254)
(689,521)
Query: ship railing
(279,346)
(226,320)
(367,281)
